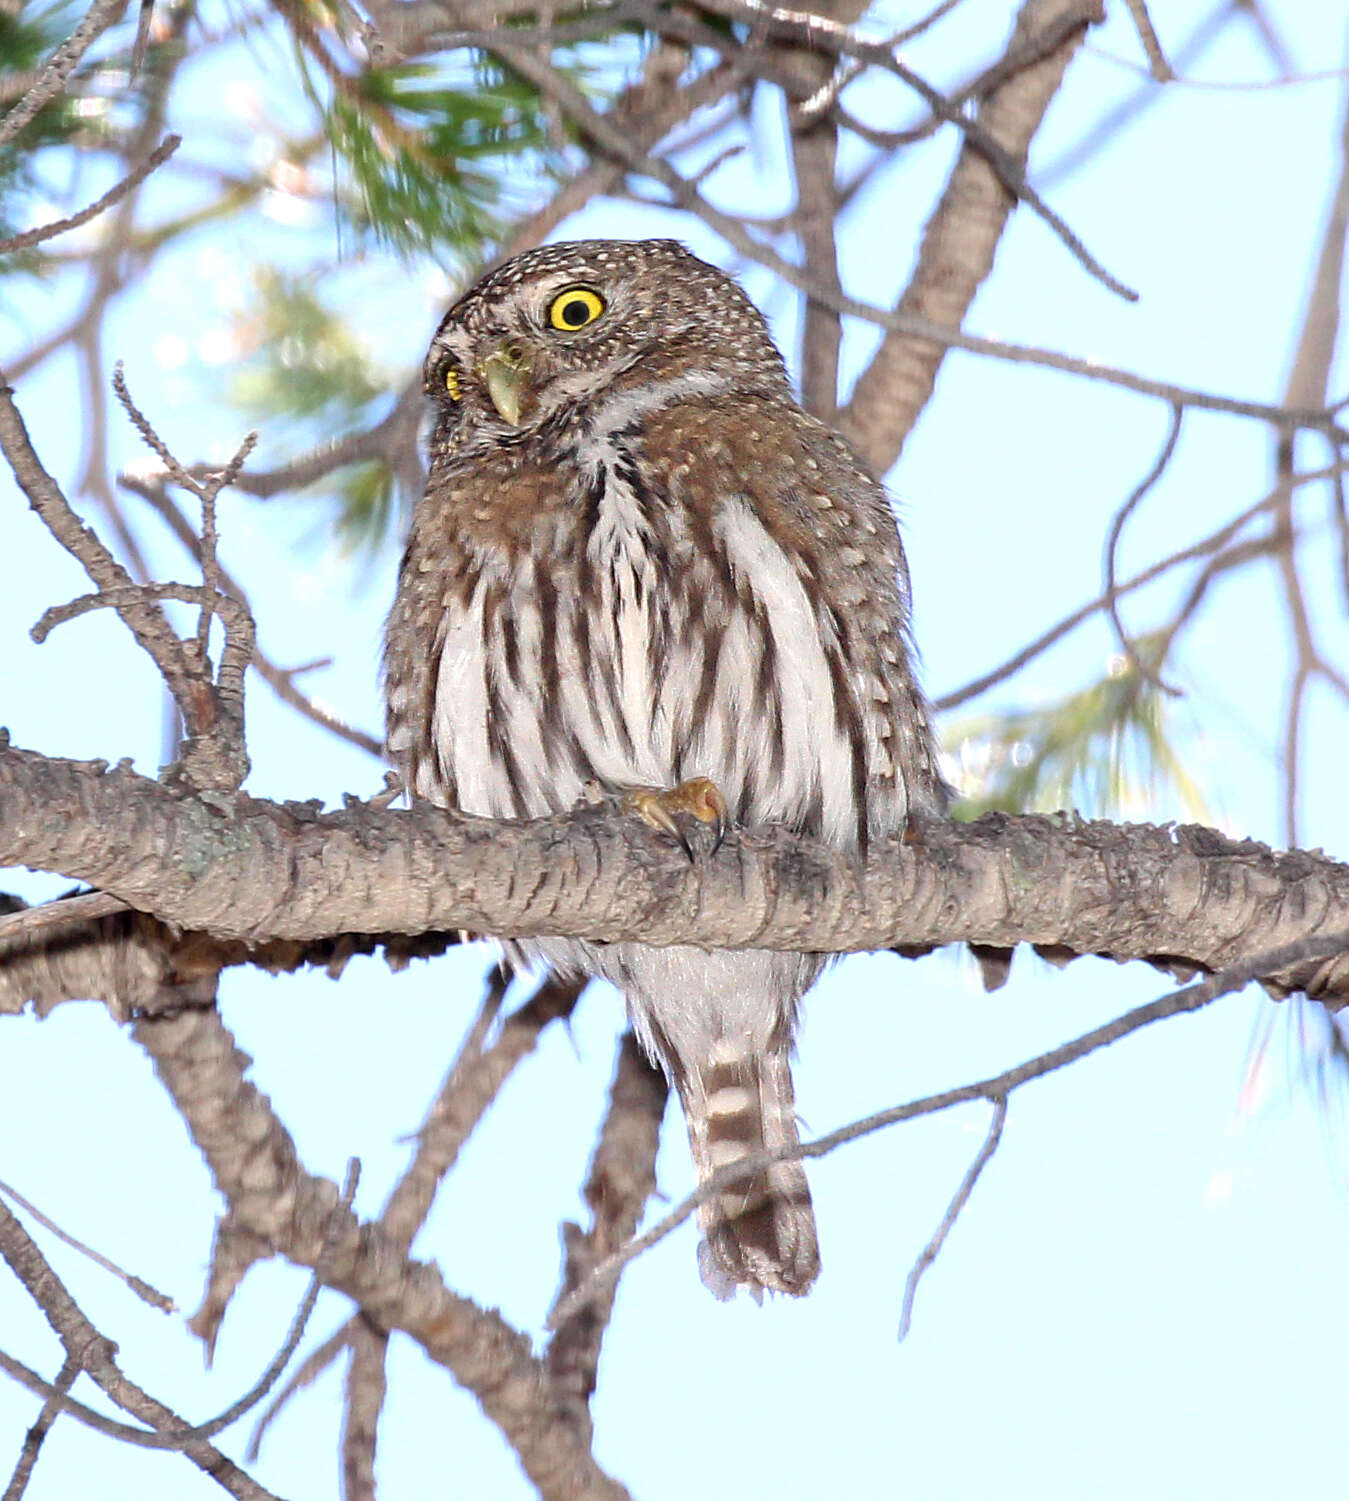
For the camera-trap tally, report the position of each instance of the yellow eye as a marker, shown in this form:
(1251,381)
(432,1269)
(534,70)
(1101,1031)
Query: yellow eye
(452,383)
(574,308)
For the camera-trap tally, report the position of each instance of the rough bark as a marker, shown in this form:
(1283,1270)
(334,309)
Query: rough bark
(254,1165)
(960,241)
(248,871)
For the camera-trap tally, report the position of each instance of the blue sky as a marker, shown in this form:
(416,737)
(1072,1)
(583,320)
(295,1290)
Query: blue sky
(1143,1296)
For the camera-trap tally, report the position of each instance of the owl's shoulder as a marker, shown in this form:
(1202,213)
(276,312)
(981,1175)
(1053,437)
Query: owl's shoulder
(495,502)
(803,481)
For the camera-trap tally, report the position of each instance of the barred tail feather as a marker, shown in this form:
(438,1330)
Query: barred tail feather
(759,1230)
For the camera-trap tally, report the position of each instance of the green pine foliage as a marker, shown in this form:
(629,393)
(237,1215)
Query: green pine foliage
(26,41)
(432,159)
(430,165)
(303,363)
(370,506)
(303,360)
(1106,750)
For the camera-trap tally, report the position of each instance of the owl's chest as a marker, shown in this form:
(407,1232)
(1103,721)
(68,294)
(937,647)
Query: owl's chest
(638,643)
(567,663)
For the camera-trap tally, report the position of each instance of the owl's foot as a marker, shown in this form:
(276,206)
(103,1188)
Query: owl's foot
(700,798)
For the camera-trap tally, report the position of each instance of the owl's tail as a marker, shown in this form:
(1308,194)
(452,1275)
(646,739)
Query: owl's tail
(760,1229)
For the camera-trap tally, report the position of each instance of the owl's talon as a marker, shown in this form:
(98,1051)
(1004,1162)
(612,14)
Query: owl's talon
(699,797)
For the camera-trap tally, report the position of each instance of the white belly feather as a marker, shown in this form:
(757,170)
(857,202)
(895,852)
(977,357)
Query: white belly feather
(508,753)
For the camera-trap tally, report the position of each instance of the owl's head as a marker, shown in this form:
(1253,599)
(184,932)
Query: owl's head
(559,329)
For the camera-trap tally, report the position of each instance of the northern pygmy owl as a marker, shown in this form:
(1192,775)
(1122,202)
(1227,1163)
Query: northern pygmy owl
(640,564)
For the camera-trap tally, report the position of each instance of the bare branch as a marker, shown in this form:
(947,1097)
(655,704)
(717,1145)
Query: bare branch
(251,870)
(917,327)
(137,1285)
(1312,359)
(1145,669)
(1152,48)
(1223,85)
(814,149)
(1208,546)
(181,1435)
(130,594)
(829,36)
(281,680)
(30,921)
(133,179)
(253,1163)
(145,621)
(997,1088)
(94,1353)
(622,1179)
(471,1085)
(133,963)
(1319,333)
(59,66)
(363,1399)
(34,1438)
(932,1250)
(309,1370)
(958,246)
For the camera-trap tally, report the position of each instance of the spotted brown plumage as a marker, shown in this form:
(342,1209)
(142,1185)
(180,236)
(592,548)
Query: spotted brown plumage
(638,562)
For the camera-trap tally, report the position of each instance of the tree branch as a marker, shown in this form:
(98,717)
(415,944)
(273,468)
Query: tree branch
(622,1179)
(254,871)
(995,1089)
(254,1164)
(93,1352)
(958,246)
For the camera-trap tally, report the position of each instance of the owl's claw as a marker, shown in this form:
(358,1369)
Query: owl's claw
(699,797)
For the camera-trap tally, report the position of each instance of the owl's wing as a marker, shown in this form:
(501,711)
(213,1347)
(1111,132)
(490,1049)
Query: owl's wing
(785,522)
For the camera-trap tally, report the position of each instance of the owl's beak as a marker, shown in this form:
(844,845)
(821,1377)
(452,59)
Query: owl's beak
(505,373)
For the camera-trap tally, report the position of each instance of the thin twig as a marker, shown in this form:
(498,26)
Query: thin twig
(237,618)
(1205,547)
(620,1182)
(281,680)
(930,1252)
(1191,998)
(309,1370)
(1144,669)
(179,472)
(1254,12)
(133,179)
(1219,563)
(59,66)
(1340,519)
(147,10)
(210,559)
(94,1354)
(198,1063)
(295,1333)
(612,141)
(147,623)
(34,1438)
(1152,48)
(841,40)
(1292,734)
(474,1080)
(138,1285)
(1141,99)
(1309,378)
(1222,85)
(177,1434)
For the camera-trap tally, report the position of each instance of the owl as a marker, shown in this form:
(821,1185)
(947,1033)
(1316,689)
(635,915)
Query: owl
(640,567)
